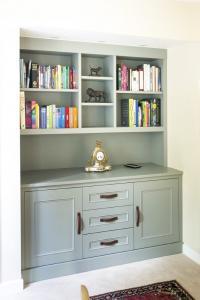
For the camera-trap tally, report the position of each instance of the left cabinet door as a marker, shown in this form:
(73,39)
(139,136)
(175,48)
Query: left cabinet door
(51,221)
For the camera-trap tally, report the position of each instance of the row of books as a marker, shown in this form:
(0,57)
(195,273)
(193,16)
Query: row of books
(140,113)
(34,116)
(33,75)
(142,78)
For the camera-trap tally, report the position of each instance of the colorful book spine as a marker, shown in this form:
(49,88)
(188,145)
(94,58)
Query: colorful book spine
(28,115)
(62,119)
(124,77)
(33,114)
(34,75)
(71,122)
(37,115)
(58,117)
(125,112)
(53,116)
(28,78)
(67,117)
(22,111)
(67,77)
(119,77)
(43,117)
(131,113)
(75,117)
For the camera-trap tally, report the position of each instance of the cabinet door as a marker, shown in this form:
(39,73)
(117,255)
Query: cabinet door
(157,213)
(51,226)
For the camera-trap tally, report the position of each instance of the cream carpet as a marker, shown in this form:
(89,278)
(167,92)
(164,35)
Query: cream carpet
(178,267)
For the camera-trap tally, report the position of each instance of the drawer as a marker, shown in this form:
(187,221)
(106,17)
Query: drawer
(107,219)
(107,196)
(97,244)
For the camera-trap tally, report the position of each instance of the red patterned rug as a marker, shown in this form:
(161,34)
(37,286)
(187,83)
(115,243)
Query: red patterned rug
(168,290)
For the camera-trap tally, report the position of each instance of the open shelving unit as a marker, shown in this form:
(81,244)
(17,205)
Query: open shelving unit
(95,117)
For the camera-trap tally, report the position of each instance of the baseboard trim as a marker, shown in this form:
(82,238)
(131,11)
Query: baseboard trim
(11,287)
(193,255)
(93,263)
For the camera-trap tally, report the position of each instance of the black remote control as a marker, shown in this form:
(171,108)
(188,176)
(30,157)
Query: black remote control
(134,166)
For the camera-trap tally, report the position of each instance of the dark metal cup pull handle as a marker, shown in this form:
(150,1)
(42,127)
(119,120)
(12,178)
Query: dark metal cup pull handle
(109,196)
(108,243)
(138,216)
(109,219)
(79,223)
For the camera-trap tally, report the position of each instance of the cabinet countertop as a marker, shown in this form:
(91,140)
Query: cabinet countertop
(74,176)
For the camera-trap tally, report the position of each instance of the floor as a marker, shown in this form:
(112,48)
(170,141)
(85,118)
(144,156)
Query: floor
(178,267)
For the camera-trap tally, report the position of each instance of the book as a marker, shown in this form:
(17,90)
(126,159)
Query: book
(71,122)
(125,112)
(34,75)
(62,119)
(33,114)
(135,80)
(124,79)
(131,113)
(119,87)
(37,115)
(28,115)
(28,76)
(43,116)
(53,116)
(75,117)
(22,111)
(58,117)
(67,117)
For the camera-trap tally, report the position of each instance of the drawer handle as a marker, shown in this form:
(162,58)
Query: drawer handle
(109,243)
(109,196)
(79,223)
(109,219)
(138,216)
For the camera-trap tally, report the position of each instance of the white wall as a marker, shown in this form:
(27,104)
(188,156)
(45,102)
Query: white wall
(184,133)
(10,249)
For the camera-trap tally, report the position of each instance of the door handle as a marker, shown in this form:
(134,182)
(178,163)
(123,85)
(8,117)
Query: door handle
(137,216)
(78,223)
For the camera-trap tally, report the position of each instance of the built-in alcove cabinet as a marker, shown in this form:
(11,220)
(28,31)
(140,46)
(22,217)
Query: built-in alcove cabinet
(74,221)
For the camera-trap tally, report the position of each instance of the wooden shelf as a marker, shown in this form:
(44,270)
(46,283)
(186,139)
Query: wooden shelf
(103,78)
(90,130)
(50,90)
(139,92)
(96,104)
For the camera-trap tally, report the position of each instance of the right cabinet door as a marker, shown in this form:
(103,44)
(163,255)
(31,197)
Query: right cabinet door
(156,205)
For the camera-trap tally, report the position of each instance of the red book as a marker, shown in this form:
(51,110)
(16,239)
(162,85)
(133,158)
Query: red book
(71,78)
(28,114)
(124,82)
(67,117)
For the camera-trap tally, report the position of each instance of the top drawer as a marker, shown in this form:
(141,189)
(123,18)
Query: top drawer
(103,196)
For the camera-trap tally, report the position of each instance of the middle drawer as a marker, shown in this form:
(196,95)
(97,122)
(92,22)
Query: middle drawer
(107,219)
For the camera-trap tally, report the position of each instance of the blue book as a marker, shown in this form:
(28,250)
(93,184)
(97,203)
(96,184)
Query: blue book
(58,117)
(43,117)
(62,122)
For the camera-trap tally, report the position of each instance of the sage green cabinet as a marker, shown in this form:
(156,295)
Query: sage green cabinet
(50,231)
(156,206)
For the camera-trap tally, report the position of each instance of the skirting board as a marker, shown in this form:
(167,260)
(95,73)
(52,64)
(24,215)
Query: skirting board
(193,255)
(11,287)
(87,264)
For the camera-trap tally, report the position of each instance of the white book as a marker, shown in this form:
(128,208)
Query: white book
(53,115)
(22,111)
(135,80)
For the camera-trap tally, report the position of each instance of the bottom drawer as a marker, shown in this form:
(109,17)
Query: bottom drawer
(107,242)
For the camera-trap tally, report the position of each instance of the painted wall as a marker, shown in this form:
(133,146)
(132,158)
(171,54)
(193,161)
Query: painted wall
(10,248)
(184,133)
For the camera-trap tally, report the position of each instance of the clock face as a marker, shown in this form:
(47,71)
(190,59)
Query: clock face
(100,155)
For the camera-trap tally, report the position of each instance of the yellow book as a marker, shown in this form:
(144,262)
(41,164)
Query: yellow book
(22,111)
(75,117)
(131,113)
(37,109)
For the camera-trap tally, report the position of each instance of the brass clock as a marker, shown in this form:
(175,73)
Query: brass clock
(99,160)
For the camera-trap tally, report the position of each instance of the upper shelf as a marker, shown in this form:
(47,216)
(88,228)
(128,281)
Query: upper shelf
(104,78)
(50,90)
(90,130)
(139,92)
